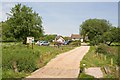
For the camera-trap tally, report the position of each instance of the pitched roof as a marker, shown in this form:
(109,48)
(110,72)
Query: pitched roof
(58,37)
(75,36)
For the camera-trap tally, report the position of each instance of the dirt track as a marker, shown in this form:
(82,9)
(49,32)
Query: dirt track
(65,65)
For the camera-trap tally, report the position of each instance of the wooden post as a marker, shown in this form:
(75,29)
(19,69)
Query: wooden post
(32,45)
(15,66)
(105,57)
(100,56)
(117,71)
(111,61)
(97,53)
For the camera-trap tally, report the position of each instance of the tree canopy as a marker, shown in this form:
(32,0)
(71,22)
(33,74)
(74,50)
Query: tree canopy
(49,37)
(22,22)
(99,31)
(113,35)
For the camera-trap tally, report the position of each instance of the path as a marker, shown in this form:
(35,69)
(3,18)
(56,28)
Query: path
(65,65)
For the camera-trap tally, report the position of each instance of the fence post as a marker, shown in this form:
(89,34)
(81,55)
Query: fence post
(117,71)
(100,56)
(97,53)
(105,57)
(111,61)
(15,66)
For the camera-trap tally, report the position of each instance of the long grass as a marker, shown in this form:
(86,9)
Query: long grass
(92,59)
(25,59)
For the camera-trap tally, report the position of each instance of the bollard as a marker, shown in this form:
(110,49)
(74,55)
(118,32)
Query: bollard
(84,68)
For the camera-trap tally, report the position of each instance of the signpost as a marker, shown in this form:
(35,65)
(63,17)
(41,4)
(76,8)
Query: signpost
(30,41)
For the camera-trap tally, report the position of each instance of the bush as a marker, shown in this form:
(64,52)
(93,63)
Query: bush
(105,49)
(26,59)
(102,48)
(92,43)
(76,43)
(23,58)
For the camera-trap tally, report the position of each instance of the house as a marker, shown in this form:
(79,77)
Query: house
(75,37)
(59,39)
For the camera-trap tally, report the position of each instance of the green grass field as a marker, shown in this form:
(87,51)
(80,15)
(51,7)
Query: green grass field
(20,60)
(92,59)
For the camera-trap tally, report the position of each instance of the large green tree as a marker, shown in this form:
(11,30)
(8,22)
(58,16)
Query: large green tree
(23,22)
(113,35)
(94,29)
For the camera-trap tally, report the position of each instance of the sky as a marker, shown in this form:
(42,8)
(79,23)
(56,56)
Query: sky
(65,18)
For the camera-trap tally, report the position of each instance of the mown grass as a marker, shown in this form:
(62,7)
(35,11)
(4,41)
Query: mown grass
(25,59)
(92,59)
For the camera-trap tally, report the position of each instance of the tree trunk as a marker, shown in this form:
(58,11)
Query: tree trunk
(24,41)
(110,43)
(84,38)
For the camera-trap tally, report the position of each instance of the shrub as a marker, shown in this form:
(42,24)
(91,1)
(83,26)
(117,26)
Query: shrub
(105,49)
(92,43)
(76,43)
(24,59)
(102,48)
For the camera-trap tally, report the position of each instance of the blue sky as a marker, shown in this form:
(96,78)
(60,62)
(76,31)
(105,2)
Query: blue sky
(64,18)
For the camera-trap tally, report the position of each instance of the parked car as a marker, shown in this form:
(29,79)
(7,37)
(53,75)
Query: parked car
(43,43)
(67,42)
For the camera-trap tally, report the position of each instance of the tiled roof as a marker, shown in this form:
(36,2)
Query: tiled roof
(75,36)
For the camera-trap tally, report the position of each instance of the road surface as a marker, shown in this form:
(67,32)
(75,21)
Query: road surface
(65,65)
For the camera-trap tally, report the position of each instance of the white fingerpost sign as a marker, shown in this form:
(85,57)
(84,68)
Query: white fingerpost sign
(30,40)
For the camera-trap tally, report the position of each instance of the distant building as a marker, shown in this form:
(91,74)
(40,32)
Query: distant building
(59,39)
(75,37)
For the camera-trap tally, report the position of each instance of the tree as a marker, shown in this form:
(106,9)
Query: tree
(113,35)
(67,38)
(94,29)
(24,22)
(6,34)
(49,38)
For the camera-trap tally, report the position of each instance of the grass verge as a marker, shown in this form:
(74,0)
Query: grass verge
(20,60)
(92,59)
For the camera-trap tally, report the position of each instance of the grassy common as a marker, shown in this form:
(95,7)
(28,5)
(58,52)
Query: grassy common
(95,59)
(20,60)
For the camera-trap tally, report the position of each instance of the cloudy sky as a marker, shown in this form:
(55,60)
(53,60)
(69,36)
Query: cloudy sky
(64,18)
